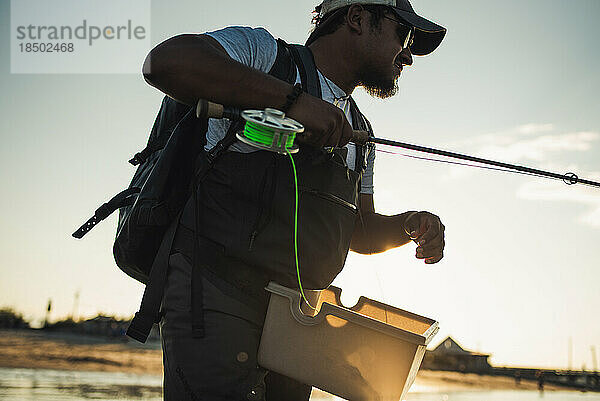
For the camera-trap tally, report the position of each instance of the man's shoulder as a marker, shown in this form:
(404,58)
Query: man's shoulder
(256,33)
(255,47)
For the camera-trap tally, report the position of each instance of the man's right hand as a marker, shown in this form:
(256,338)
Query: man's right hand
(324,123)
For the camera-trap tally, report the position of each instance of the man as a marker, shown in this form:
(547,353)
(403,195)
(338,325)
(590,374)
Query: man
(355,43)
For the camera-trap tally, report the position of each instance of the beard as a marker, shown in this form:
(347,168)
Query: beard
(379,85)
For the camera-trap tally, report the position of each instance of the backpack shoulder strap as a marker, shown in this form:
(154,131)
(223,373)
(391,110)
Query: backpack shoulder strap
(283,67)
(304,60)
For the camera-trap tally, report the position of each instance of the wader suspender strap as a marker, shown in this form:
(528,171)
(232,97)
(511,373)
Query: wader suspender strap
(360,122)
(196,284)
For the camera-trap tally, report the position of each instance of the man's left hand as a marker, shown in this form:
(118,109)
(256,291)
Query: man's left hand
(427,231)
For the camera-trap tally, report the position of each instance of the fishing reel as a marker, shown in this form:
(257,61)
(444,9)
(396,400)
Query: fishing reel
(270,130)
(267,129)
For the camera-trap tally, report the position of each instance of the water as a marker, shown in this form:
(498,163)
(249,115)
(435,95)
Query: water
(504,395)
(59,385)
(55,385)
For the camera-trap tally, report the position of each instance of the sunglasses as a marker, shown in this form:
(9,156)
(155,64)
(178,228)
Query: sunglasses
(406,33)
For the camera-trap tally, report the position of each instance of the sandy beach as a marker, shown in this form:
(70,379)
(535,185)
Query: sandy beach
(40,350)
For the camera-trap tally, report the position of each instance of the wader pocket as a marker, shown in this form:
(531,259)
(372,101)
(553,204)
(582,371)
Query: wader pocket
(327,192)
(325,227)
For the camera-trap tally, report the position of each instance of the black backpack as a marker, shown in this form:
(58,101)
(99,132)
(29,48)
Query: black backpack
(158,190)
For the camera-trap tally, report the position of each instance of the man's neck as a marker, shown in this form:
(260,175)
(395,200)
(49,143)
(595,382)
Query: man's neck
(333,60)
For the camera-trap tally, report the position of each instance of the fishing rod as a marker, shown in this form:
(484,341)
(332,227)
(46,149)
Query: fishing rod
(257,119)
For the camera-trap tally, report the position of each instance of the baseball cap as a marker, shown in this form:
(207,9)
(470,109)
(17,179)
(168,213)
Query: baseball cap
(428,35)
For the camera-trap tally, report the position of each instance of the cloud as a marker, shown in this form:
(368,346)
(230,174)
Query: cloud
(592,218)
(534,128)
(527,142)
(540,146)
(559,192)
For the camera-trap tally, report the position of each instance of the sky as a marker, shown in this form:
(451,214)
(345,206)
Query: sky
(514,81)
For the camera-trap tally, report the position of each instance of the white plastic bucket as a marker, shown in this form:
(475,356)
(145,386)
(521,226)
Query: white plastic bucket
(371,351)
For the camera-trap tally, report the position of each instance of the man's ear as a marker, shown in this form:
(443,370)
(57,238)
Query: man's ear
(355,18)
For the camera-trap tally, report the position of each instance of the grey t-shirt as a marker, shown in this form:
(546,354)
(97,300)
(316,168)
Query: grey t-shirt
(257,48)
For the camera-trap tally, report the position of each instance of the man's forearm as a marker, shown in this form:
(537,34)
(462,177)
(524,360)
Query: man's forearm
(375,233)
(192,67)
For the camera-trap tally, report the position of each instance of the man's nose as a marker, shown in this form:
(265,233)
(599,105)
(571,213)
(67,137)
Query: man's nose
(406,56)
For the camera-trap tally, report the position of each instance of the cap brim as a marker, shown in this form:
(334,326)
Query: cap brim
(428,35)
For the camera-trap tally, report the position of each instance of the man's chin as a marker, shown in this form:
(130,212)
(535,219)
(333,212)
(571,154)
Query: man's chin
(382,90)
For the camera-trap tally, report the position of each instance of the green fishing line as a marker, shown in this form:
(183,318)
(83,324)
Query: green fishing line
(264,135)
(296,232)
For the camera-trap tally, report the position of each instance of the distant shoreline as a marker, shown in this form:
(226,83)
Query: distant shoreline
(36,349)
